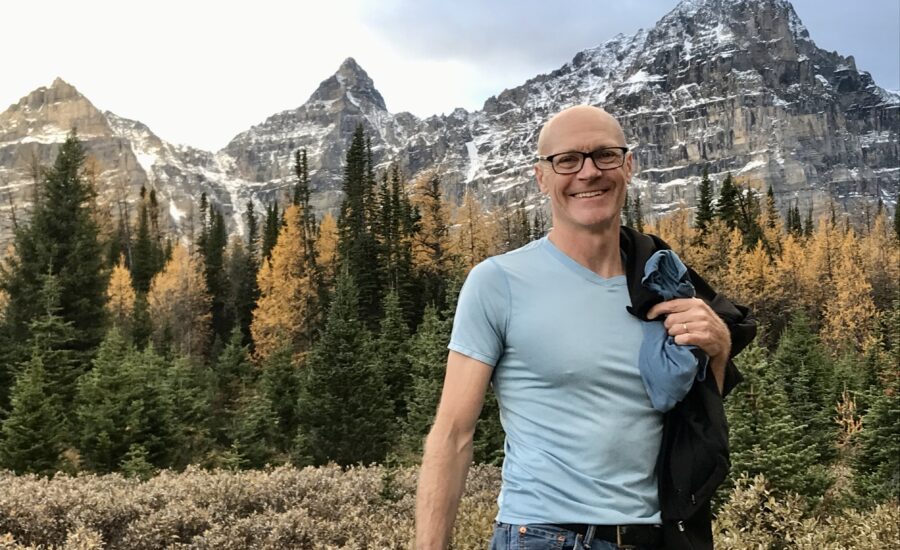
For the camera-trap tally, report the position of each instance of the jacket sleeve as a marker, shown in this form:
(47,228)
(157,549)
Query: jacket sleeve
(741,324)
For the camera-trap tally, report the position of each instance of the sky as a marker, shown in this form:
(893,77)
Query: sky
(200,72)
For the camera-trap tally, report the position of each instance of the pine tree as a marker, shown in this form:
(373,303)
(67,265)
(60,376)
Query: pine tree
(243,290)
(145,259)
(122,402)
(188,386)
(806,376)
(391,361)
(255,429)
(897,219)
(61,239)
(232,374)
(30,438)
(877,464)
(345,413)
(280,384)
(765,438)
(705,211)
(637,213)
(358,246)
(428,357)
(271,228)
(727,207)
(214,239)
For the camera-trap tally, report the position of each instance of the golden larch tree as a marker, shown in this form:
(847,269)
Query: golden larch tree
(474,233)
(432,243)
(327,249)
(286,292)
(850,315)
(120,296)
(179,304)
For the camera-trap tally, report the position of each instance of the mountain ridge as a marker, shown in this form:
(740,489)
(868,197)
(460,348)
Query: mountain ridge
(736,85)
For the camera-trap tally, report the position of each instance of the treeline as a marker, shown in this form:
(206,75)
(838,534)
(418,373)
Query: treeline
(314,340)
(305,340)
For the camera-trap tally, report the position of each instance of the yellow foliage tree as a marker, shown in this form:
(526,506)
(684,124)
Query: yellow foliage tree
(432,245)
(475,234)
(818,269)
(179,304)
(284,311)
(849,312)
(676,230)
(120,296)
(880,255)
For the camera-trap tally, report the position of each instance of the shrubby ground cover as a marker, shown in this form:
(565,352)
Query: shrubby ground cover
(359,507)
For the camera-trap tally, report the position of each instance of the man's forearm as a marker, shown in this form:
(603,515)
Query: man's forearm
(442,479)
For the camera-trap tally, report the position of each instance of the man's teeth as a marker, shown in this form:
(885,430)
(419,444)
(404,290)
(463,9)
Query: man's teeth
(588,194)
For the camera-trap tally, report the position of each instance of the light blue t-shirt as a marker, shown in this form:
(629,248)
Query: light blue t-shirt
(582,437)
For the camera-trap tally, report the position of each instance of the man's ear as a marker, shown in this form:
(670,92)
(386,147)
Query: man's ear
(629,166)
(539,176)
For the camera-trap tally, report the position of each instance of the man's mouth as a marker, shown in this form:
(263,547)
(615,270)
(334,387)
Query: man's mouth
(589,194)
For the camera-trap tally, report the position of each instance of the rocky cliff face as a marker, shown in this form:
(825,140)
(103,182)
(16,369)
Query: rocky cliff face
(738,85)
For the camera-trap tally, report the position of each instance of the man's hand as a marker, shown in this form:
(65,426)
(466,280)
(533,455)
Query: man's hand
(692,322)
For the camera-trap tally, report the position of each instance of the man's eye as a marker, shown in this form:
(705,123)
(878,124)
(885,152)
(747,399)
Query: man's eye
(567,160)
(606,155)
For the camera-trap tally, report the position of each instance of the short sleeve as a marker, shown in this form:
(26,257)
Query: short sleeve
(479,326)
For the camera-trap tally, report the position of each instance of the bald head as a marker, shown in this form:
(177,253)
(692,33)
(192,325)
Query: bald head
(566,128)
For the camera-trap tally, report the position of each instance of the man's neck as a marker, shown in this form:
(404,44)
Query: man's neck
(595,250)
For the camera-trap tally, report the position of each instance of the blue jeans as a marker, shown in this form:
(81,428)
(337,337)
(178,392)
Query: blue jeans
(542,537)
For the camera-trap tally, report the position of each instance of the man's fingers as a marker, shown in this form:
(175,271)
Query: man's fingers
(672,306)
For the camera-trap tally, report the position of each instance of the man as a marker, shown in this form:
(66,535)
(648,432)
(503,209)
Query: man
(548,325)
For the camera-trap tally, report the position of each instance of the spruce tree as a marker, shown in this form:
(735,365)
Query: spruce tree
(358,245)
(877,462)
(897,219)
(765,438)
(345,413)
(428,359)
(391,360)
(61,239)
(214,240)
(806,375)
(254,430)
(271,227)
(808,226)
(189,387)
(144,264)
(771,209)
(280,384)
(705,211)
(727,207)
(638,213)
(124,401)
(232,373)
(31,438)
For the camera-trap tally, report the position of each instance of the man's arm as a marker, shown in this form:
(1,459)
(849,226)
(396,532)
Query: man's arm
(448,450)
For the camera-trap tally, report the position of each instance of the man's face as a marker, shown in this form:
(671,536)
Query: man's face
(590,199)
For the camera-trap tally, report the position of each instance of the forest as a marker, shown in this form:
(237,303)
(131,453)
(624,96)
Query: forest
(130,356)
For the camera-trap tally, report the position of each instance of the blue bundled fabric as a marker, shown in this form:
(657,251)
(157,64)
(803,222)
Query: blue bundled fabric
(668,369)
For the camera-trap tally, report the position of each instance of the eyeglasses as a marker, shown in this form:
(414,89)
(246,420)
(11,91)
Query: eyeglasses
(570,162)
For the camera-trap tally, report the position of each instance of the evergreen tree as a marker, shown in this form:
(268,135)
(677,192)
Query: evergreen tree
(188,388)
(897,219)
(806,376)
(627,216)
(358,245)
(771,210)
(255,429)
(392,361)
(877,464)
(61,240)
(123,401)
(428,357)
(271,228)
(232,374)
(243,290)
(705,210)
(280,384)
(765,438)
(346,415)
(214,239)
(808,225)
(30,438)
(145,259)
(52,338)
(727,207)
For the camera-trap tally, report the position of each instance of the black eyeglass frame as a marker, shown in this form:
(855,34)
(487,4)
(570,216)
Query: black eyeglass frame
(549,158)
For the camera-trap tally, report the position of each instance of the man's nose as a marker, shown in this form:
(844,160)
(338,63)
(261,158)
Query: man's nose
(589,170)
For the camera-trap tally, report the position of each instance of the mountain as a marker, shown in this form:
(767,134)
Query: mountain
(737,85)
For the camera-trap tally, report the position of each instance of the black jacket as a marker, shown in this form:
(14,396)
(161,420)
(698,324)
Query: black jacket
(693,459)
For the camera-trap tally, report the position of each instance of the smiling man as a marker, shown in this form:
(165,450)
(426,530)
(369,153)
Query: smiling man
(547,326)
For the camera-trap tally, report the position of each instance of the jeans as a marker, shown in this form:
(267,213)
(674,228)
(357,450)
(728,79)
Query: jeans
(543,537)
